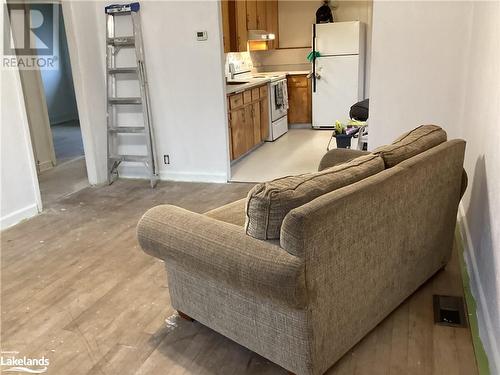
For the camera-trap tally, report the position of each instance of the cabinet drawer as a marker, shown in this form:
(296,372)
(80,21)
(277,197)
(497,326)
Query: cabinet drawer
(247,96)
(263,91)
(255,93)
(297,81)
(235,101)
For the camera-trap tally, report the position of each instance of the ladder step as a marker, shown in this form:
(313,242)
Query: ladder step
(122,41)
(132,69)
(134,158)
(125,100)
(127,129)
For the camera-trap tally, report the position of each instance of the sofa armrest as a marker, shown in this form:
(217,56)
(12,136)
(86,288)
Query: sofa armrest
(222,252)
(339,156)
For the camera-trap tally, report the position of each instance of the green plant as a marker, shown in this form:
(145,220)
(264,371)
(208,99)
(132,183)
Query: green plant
(339,127)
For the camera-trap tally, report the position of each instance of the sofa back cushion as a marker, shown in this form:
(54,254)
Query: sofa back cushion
(410,144)
(268,203)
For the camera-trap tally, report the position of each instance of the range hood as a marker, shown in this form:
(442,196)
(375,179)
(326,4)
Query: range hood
(260,35)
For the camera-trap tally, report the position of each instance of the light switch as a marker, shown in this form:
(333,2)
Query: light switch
(201,35)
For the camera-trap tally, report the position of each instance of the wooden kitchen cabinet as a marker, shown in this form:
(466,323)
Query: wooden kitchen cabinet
(272,22)
(239,16)
(237,133)
(256,14)
(256,122)
(262,15)
(234,25)
(299,99)
(248,120)
(251,6)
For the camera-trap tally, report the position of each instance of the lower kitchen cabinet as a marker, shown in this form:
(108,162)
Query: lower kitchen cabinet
(248,120)
(237,132)
(256,123)
(299,99)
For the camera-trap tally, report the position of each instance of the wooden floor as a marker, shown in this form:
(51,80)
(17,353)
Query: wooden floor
(77,289)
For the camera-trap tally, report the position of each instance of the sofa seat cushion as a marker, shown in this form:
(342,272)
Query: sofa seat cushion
(232,213)
(268,203)
(410,144)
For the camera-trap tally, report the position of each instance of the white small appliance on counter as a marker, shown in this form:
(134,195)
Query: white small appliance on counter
(339,71)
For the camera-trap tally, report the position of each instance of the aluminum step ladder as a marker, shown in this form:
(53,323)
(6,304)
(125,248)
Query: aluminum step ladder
(114,44)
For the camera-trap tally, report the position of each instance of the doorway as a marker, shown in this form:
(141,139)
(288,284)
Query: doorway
(52,110)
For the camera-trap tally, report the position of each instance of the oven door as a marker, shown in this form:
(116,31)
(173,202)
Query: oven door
(278,110)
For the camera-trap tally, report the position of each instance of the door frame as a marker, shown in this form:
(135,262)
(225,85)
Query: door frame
(84,109)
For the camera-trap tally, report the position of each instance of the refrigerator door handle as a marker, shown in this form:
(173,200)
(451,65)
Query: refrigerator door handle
(314,57)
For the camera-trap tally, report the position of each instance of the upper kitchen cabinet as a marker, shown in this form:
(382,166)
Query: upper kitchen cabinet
(245,21)
(256,15)
(272,22)
(234,25)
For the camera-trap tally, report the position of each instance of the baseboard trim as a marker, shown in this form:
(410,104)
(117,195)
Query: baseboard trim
(18,216)
(45,166)
(138,172)
(484,322)
(300,126)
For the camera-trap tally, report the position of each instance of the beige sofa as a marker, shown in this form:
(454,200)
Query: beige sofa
(305,299)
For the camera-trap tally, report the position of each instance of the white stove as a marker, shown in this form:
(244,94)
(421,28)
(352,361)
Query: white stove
(278,104)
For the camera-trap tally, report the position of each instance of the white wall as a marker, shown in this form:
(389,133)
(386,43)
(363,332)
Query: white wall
(19,193)
(479,125)
(439,62)
(185,80)
(418,64)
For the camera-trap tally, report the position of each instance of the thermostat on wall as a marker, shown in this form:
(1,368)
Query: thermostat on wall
(201,35)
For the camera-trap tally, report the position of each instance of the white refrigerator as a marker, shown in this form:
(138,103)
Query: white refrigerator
(339,71)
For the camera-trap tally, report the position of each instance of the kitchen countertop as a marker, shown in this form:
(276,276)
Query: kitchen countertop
(292,72)
(253,82)
(249,83)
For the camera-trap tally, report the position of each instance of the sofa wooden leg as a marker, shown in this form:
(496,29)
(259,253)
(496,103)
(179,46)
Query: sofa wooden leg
(290,373)
(185,316)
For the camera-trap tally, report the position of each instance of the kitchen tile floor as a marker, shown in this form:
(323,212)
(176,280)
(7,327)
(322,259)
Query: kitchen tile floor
(298,151)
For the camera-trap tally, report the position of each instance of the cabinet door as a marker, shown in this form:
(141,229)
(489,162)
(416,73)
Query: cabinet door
(238,133)
(251,14)
(264,118)
(241,25)
(256,123)
(226,29)
(249,137)
(299,100)
(261,15)
(272,21)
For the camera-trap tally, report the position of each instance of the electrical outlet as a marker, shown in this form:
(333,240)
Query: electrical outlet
(166,159)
